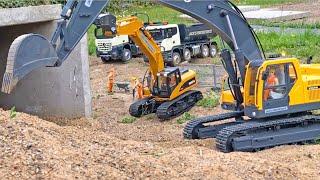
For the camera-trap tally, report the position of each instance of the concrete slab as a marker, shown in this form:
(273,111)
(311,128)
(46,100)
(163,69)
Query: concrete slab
(32,14)
(48,92)
(276,15)
(248,8)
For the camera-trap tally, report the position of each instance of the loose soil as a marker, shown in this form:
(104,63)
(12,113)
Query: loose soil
(103,148)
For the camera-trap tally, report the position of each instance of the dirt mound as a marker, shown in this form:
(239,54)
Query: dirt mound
(31,147)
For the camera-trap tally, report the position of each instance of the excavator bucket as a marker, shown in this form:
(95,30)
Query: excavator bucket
(27,53)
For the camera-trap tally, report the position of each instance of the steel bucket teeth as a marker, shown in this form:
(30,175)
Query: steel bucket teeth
(27,53)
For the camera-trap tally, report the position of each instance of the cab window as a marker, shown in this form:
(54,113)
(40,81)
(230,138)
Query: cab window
(170,32)
(172,80)
(162,82)
(292,74)
(275,85)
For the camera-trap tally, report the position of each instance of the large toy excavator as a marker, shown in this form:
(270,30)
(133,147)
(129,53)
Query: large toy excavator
(269,99)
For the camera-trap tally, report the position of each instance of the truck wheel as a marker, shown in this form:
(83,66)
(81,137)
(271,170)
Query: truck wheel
(213,50)
(187,54)
(126,55)
(205,51)
(176,59)
(104,59)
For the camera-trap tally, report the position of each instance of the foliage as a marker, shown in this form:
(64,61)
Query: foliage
(119,5)
(13,112)
(115,6)
(128,120)
(210,100)
(185,118)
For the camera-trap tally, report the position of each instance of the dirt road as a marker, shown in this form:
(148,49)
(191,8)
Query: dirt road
(104,148)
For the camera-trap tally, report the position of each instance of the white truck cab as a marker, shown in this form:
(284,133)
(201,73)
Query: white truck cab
(167,36)
(114,48)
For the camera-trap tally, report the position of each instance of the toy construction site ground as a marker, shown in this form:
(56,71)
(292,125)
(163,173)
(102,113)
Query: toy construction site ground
(105,148)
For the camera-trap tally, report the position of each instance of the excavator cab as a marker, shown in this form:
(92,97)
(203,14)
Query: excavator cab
(167,81)
(271,87)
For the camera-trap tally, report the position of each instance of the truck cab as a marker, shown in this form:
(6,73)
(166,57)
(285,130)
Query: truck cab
(167,36)
(114,47)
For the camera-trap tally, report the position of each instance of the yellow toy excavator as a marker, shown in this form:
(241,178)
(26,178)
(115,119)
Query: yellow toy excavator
(270,100)
(170,88)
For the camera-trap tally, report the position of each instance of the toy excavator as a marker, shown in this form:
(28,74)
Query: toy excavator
(169,93)
(269,99)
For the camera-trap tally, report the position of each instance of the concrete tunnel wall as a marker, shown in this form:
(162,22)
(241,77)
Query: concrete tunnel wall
(46,92)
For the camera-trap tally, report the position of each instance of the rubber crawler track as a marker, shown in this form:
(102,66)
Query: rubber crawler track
(172,109)
(191,128)
(225,136)
(136,109)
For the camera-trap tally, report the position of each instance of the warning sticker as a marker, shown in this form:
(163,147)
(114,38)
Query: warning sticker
(274,110)
(88,3)
(314,88)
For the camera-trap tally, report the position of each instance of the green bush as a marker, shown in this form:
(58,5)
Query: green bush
(210,100)
(128,120)
(185,118)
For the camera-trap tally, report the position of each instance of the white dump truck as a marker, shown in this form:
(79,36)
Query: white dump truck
(181,43)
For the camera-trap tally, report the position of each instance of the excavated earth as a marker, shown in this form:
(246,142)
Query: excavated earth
(105,148)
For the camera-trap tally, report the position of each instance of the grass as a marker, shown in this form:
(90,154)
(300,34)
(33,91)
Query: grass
(285,24)
(264,3)
(295,45)
(210,100)
(185,118)
(128,120)
(156,13)
(13,112)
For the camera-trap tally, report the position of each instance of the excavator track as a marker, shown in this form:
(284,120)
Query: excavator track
(196,129)
(256,135)
(142,107)
(178,106)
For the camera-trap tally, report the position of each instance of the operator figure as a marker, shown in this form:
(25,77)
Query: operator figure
(111,77)
(271,82)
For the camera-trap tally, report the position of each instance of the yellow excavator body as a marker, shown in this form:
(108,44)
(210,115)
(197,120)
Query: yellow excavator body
(297,90)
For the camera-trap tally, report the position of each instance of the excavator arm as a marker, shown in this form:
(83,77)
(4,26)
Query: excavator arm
(134,28)
(77,16)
